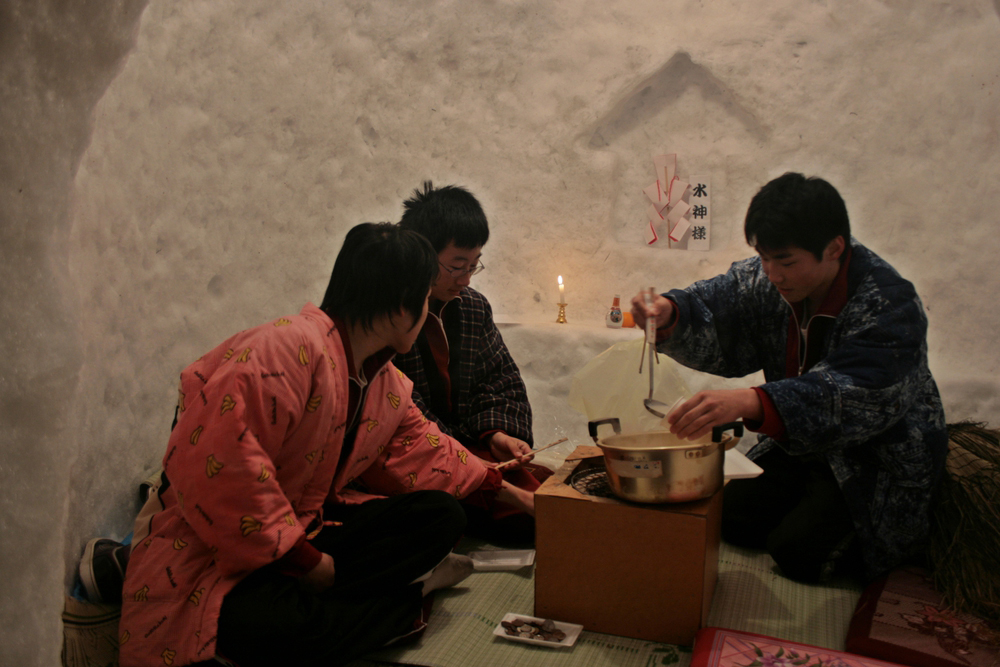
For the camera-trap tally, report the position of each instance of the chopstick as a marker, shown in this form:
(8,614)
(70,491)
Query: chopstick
(506,464)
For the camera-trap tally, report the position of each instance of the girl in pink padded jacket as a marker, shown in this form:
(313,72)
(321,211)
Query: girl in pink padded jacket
(306,505)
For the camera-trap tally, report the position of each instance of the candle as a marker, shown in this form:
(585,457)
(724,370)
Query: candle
(562,291)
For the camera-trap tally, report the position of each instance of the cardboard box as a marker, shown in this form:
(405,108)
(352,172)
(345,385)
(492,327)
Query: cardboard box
(644,571)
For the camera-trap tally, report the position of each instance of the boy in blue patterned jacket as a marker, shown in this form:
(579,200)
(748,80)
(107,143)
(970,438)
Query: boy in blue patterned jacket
(852,434)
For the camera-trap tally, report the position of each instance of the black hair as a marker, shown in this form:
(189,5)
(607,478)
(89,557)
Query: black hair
(380,270)
(793,210)
(450,214)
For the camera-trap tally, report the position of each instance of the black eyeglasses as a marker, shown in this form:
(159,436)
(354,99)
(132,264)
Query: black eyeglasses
(459,272)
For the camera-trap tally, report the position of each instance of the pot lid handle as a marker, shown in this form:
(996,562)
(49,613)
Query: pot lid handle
(717,431)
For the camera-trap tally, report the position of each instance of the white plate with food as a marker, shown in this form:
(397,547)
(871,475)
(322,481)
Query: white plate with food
(538,631)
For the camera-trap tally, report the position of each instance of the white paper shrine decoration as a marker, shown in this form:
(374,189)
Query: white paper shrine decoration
(679,214)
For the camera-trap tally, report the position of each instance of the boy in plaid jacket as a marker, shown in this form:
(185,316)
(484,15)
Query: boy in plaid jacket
(463,375)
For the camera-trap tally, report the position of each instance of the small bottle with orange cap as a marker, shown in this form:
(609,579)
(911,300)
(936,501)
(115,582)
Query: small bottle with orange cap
(614,317)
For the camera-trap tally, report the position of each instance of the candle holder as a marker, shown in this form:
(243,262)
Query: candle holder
(561,318)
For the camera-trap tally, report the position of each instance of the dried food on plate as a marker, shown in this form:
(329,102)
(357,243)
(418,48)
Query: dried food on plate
(538,631)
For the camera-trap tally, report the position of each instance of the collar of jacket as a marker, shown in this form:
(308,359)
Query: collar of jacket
(369,366)
(357,385)
(439,307)
(798,361)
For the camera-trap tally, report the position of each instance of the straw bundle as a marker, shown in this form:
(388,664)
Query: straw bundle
(90,634)
(965,527)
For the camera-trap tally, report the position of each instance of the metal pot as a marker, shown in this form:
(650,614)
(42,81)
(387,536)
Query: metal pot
(659,467)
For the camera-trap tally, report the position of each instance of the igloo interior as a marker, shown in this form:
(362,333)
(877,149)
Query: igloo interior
(173,172)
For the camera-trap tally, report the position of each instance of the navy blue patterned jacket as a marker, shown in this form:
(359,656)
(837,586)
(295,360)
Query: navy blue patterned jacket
(866,402)
(487,392)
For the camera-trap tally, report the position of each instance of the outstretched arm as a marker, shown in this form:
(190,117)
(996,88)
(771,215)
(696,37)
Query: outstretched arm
(519,498)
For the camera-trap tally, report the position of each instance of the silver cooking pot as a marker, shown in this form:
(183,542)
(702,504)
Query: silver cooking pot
(659,467)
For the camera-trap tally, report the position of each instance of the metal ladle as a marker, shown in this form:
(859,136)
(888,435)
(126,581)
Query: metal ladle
(658,408)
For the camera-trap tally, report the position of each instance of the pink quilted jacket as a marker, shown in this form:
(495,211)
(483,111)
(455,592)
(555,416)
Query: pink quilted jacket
(251,461)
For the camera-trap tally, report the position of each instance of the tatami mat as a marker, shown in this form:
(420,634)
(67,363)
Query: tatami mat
(749,597)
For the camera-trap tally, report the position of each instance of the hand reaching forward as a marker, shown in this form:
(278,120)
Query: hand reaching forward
(696,416)
(505,448)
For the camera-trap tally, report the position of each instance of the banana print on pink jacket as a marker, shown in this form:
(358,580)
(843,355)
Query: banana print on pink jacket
(252,459)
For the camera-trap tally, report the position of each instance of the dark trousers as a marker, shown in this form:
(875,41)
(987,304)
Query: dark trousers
(796,512)
(380,548)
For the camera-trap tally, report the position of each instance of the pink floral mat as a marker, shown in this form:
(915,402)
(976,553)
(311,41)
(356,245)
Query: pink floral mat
(903,619)
(719,647)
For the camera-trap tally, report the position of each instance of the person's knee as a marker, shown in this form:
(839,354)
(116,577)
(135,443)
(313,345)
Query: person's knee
(739,527)
(442,510)
(798,560)
(738,533)
(264,602)
(452,508)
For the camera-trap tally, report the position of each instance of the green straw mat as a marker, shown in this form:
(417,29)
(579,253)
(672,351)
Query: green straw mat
(749,597)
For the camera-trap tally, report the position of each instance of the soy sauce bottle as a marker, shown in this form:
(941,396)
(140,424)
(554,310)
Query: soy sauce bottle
(614,317)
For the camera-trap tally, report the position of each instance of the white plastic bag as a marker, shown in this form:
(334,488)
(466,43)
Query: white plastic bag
(610,386)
